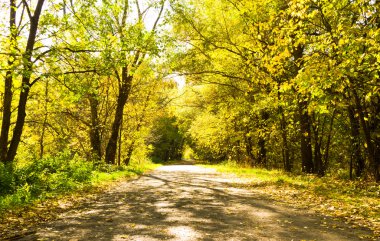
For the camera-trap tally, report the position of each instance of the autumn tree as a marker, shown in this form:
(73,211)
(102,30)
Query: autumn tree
(21,63)
(303,69)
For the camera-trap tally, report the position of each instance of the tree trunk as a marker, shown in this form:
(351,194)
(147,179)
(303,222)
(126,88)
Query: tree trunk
(358,160)
(129,153)
(6,122)
(375,129)
(328,142)
(284,136)
(8,94)
(377,158)
(17,132)
(305,136)
(285,146)
(95,128)
(318,163)
(44,123)
(25,84)
(120,144)
(121,101)
(374,160)
(248,149)
(262,157)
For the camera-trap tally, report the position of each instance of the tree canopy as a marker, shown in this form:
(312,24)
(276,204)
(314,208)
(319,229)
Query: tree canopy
(291,85)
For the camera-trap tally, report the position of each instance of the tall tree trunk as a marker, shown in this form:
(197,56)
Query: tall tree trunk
(95,128)
(375,128)
(8,94)
(318,163)
(328,142)
(303,115)
(121,101)
(44,123)
(120,143)
(248,149)
(284,135)
(285,145)
(372,151)
(377,158)
(262,158)
(129,153)
(305,136)
(17,132)
(357,156)
(25,84)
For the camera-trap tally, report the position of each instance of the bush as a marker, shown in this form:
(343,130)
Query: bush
(7,184)
(42,177)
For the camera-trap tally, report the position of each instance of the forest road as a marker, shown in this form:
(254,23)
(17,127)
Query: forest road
(186,202)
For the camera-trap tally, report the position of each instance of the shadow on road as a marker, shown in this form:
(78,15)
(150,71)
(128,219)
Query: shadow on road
(185,202)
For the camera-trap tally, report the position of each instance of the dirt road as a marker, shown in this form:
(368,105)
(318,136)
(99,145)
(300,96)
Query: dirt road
(185,202)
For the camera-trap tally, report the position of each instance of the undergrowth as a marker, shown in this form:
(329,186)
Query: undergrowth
(38,180)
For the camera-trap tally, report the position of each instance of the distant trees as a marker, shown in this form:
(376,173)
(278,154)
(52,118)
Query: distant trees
(167,141)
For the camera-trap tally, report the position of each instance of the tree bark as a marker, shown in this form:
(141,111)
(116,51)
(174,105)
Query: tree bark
(8,94)
(357,156)
(262,157)
(285,145)
(248,149)
(25,84)
(120,143)
(129,153)
(121,101)
(374,161)
(305,136)
(318,162)
(44,123)
(95,128)
(283,124)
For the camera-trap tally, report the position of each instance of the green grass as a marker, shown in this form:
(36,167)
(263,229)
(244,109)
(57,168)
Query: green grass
(358,202)
(264,177)
(55,177)
(38,191)
(102,177)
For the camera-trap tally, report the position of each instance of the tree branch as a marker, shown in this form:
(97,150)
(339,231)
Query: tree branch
(27,9)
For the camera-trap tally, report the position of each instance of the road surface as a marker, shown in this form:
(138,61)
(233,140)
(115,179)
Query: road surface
(186,202)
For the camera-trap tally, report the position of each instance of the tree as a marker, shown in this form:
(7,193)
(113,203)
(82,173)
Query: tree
(27,66)
(294,62)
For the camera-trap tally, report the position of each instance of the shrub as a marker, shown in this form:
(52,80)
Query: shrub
(7,184)
(42,177)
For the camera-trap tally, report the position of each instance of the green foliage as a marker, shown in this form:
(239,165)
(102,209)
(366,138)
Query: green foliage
(111,174)
(54,174)
(286,84)
(43,178)
(7,182)
(58,175)
(166,140)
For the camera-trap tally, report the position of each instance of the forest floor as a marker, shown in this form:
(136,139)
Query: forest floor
(186,202)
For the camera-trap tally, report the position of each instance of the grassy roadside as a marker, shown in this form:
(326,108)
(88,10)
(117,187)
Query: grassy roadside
(357,203)
(18,215)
